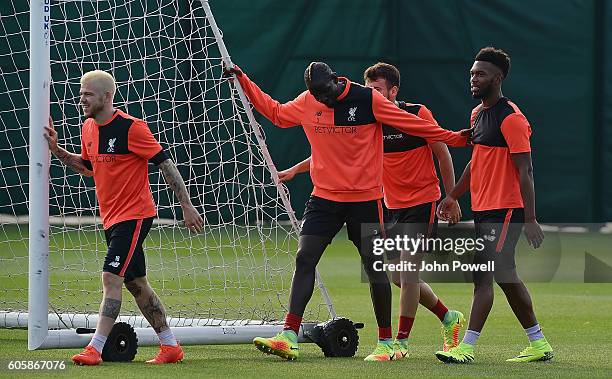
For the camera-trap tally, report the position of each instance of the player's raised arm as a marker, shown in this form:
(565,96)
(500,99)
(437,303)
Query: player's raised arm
(282,115)
(76,162)
(388,113)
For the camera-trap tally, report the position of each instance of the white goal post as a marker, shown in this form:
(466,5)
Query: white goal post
(226,285)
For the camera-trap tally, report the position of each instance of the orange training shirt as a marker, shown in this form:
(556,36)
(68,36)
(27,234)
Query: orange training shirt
(409,172)
(119,151)
(499,131)
(346,140)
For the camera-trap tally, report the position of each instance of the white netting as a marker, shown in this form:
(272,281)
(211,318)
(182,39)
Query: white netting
(167,65)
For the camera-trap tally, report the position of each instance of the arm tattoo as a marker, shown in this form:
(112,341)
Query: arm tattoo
(73,161)
(110,308)
(154,312)
(175,181)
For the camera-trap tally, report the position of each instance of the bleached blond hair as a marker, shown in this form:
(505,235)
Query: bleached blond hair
(102,80)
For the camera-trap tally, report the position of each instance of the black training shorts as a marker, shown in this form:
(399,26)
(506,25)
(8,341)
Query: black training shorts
(125,256)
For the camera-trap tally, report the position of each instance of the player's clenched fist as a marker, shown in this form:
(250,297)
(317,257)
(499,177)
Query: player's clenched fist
(449,210)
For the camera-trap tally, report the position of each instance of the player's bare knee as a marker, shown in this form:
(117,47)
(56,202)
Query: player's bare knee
(395,275)
(134,288)
(506,278)
(141,281)
(111,283)
(138,286)
(409,277)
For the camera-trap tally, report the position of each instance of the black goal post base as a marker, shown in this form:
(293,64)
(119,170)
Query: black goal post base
(337,337)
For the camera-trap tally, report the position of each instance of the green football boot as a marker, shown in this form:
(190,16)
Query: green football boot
(284,345)
(538,350)
(401,348)
(452,324)
(463,353)
(384,352)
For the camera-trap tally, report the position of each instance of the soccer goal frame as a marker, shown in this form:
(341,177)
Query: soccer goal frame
(50,330)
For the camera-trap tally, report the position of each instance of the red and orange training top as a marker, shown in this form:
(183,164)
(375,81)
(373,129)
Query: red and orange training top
(409,172)
(498,131)
(346,140)
(119,151)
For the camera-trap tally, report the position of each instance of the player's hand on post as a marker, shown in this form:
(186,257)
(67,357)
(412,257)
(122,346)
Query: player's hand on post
(533,232)
(229,72)
(193,220)
(51,136)
(286,175)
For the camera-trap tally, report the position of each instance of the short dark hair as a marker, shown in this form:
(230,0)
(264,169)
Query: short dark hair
(317,72)
(498,57)
(385,71)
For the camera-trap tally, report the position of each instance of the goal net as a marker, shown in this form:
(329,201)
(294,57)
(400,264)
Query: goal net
(167,62)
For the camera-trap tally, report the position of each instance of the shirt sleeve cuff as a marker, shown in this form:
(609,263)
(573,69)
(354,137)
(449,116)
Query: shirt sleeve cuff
(159,157)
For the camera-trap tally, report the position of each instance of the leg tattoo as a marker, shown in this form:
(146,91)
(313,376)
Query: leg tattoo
(110,308)
(154,312)
(134,288)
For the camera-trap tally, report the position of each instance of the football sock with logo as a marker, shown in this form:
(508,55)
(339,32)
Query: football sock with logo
(404,328)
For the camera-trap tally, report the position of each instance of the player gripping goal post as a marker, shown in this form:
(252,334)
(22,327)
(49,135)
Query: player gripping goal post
(226,284)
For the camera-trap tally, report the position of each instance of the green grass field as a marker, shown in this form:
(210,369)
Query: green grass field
(576,318)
